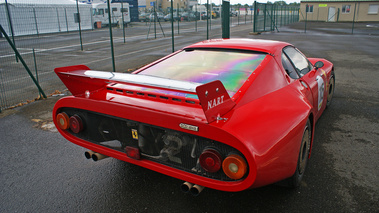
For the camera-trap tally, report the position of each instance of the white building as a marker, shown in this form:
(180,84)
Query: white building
(30,17)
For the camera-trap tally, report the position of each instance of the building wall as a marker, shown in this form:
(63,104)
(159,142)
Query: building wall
(365,15)
(33,19)
(344,11)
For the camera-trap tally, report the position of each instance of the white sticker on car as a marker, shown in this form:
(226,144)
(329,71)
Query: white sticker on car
(321,89)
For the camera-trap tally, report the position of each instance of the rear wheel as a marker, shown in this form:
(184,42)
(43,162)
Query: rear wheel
(330,91)
(302,161)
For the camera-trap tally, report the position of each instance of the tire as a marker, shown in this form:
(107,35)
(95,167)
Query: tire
(331,90)
(294,181)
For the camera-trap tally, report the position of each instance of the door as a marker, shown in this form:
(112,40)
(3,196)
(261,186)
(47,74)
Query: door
(311,78)
(332,14)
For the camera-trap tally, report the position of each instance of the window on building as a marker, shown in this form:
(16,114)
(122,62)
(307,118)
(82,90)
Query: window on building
(346,8)
(373,9)
(114,9)
(124,10)
(309,8)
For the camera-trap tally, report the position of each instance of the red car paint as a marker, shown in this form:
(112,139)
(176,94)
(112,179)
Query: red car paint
(264,120)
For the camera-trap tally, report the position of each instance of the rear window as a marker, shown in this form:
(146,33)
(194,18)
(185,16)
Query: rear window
(231,67)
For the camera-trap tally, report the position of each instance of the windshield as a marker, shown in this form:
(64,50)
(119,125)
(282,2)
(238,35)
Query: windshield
(231,67)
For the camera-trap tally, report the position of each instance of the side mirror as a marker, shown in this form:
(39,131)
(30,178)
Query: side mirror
(319,64)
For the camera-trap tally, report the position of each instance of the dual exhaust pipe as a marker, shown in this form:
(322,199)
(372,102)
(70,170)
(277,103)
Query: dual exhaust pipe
(194,189)
(186,187)
(94,155)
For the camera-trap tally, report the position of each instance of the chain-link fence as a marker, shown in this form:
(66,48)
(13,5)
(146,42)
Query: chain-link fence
(271,16)
(49,34)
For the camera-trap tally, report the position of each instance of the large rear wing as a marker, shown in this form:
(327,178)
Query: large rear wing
(212,97)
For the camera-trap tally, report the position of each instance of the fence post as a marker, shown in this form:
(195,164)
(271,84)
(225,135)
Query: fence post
(10,23)
(225,19)
(110,35)
(80,30)
(172,25)
(245,15)
(306,18)
(177,13)
(281,15)
(65,15)
(92,24)
(288,15)
(292,12)
(272,17)
(59,23)
(352,28)
(123,23)
(255,17)
(35,68)
(35,21)
(264,18)
(207,19)
(155,20)
(195,17)
(275,16)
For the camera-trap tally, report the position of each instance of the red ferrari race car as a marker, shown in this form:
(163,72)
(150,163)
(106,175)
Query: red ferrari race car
(228,114)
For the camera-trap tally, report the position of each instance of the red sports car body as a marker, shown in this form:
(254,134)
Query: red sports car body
(228,114)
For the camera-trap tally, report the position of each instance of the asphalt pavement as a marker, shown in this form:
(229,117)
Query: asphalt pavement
(42,172)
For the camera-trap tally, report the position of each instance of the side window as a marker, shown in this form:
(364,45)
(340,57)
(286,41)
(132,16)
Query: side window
(289,67)
(300,62)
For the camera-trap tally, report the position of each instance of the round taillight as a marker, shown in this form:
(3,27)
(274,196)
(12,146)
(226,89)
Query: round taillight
(234,166)
(210,160)
(63,121)
(76,124)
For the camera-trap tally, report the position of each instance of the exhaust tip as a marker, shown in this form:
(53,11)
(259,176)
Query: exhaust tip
(98,156)
(186,186)
(196,190)
(88,154)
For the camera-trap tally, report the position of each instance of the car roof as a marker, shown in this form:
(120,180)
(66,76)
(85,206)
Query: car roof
(259,45)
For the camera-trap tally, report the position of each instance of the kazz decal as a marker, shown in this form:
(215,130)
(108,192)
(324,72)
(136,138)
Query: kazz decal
(321,89)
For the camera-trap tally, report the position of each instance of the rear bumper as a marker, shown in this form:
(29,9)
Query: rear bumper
(162,120)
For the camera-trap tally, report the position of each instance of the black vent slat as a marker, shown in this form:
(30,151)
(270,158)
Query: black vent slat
(150,95)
